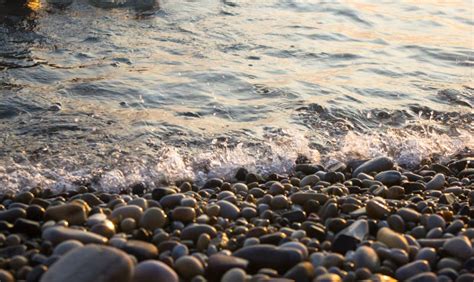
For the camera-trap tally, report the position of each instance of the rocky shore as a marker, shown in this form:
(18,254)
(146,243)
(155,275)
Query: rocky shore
(361,220)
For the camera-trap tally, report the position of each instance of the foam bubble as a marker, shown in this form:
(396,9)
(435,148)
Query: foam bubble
(276,154)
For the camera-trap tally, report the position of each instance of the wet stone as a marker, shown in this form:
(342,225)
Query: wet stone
(219,264)
(74,214)
(188,267)
(261,256)
(348,238)
(412,269)
(459,247)
(366,257)
(389,177)
(234,275)
(57,235)
(392,239)
(376,164)
(140,249)
(90,262)
(154,270)
(436,183)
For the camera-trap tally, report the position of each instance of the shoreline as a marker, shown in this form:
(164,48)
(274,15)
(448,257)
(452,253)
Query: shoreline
(345,222)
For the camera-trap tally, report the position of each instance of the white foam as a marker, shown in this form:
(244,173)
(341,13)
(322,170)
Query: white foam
(275,154)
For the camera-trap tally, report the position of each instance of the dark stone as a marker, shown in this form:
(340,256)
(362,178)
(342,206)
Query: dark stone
(11,251)
(35,274)
(12,214)
(351,236)
(35,212)
(219,264)
(376,164)
(295,216)
(241,174)
(139,188)
(302,272)
(159,193)
(140,249)
(308,168)
(29,227)
(269,256)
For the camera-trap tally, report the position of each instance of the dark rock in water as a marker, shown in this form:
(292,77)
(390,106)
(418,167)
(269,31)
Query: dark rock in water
(241,174)
(389,177)
(159,193)
(154,270)
(219,264)
(140,249)
(139,188)
(212,183)
(268,256)
(348,238)
(91,263)
(308,168)
(58,4)
(377,165)
(412,269)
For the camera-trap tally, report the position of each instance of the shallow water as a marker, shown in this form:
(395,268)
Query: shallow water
(197,88)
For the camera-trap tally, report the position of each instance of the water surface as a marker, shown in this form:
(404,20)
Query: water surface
(198,88)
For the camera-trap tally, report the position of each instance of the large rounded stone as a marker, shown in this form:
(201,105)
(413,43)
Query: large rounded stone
(234,275)
(123,212)
(12,214)
(154,270)
(376,209)
(59,234)
(73,213)
(389,177)
(436,183)
(153,218)
(376,164)
(140,249)
(91,263)
(459,247)
(188,267)
(392,239)
(184,214)
(268,256)
(193,231)
(218,264)
(228,210)
(366,257)
(412,269)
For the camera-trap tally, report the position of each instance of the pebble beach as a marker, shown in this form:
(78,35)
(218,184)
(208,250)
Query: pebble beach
(361,220)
